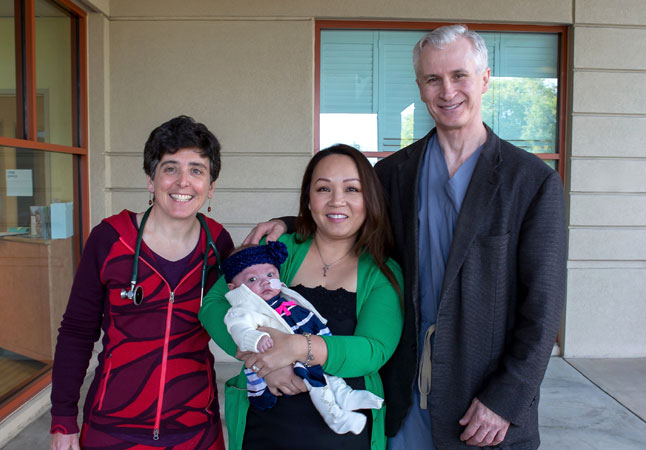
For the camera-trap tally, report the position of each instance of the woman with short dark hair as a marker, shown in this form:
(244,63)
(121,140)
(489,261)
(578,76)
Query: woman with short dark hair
(140,281)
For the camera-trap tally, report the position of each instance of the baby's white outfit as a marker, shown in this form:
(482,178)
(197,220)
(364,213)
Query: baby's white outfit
(335,401)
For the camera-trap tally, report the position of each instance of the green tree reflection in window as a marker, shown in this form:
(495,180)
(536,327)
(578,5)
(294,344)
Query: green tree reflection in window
(523,111)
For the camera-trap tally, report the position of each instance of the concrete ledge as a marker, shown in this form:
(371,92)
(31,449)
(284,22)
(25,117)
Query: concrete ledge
(25,415)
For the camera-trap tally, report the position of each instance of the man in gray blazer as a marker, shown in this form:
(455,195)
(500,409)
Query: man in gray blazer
(480,233)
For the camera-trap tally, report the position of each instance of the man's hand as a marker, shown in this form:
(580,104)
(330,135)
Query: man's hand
(285,381)
(273,229)
(61,441)
(483,426)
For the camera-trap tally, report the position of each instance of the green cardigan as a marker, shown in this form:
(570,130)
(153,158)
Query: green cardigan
(379,326)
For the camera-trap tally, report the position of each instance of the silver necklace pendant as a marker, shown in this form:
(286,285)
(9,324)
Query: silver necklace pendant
(326,267)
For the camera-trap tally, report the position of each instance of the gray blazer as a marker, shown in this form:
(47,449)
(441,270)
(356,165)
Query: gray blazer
(502,295)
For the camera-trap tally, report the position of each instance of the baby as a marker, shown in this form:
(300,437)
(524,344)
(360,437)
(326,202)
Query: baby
(258,298)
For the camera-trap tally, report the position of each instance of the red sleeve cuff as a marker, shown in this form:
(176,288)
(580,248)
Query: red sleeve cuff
(64,425)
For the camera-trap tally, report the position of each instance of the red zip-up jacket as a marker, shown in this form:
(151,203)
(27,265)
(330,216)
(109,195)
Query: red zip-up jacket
(155,375)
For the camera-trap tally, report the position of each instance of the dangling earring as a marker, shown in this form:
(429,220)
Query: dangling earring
(151,198)
(209,208)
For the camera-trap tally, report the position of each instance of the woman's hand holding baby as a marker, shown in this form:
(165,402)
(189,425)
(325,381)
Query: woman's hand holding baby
(287,349)
(280,355)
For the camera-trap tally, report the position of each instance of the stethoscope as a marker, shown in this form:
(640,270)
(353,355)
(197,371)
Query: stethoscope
(136,293)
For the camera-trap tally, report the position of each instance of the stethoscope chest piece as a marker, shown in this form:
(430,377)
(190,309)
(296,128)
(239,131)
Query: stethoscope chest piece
(136,294)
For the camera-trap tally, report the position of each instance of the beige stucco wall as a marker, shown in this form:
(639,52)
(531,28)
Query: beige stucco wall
(246,69)
(250,82)
(607,268)
(527,11)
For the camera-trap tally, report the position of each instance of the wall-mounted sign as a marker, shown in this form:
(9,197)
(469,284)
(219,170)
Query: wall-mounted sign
(20,183)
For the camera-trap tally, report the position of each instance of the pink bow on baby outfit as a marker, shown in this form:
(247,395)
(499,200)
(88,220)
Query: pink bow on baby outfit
(283,308)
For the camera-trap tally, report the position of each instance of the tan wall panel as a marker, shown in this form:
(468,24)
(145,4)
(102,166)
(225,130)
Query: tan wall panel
(262,172)
(239,212)
(239,232)
(126,171)
(102,6)
(610,48)
(617,12)
(250,82)
(605,313)
(613,210)
(609,136)
(605,309)
(608,244)
(134,200)
(253,207)
(615,93)
(536,11)
(608,175)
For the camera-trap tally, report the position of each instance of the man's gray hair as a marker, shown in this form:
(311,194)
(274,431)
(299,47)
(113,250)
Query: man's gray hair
(440,37)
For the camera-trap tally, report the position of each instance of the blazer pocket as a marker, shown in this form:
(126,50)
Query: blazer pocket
(484,265)
(493,241)
(496,265)
(488,257)
(503,266)
(486,275)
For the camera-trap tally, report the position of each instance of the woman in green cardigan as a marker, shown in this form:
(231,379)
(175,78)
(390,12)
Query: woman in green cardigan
(338,261)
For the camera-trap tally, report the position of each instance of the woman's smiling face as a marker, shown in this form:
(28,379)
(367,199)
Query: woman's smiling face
(182,183)
(335,197)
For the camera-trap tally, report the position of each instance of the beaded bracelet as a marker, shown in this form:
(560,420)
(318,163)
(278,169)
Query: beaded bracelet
(310,356)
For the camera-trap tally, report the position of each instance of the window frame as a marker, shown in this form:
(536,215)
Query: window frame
(562,31)
(27,138)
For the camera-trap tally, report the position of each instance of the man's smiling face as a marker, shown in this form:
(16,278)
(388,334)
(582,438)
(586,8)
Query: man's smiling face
(450,85)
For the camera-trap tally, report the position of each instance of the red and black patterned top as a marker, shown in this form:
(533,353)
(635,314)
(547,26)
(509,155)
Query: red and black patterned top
(155,375)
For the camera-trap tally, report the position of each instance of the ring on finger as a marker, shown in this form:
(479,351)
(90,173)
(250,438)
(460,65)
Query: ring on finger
(255,368)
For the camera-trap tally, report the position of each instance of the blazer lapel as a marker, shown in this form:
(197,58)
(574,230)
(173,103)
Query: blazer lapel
(482,188)
(408,173)
(407,196)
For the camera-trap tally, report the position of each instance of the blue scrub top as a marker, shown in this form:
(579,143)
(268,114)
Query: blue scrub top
(439,202)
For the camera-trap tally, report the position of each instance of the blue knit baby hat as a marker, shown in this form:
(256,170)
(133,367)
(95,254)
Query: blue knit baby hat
(273,252)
